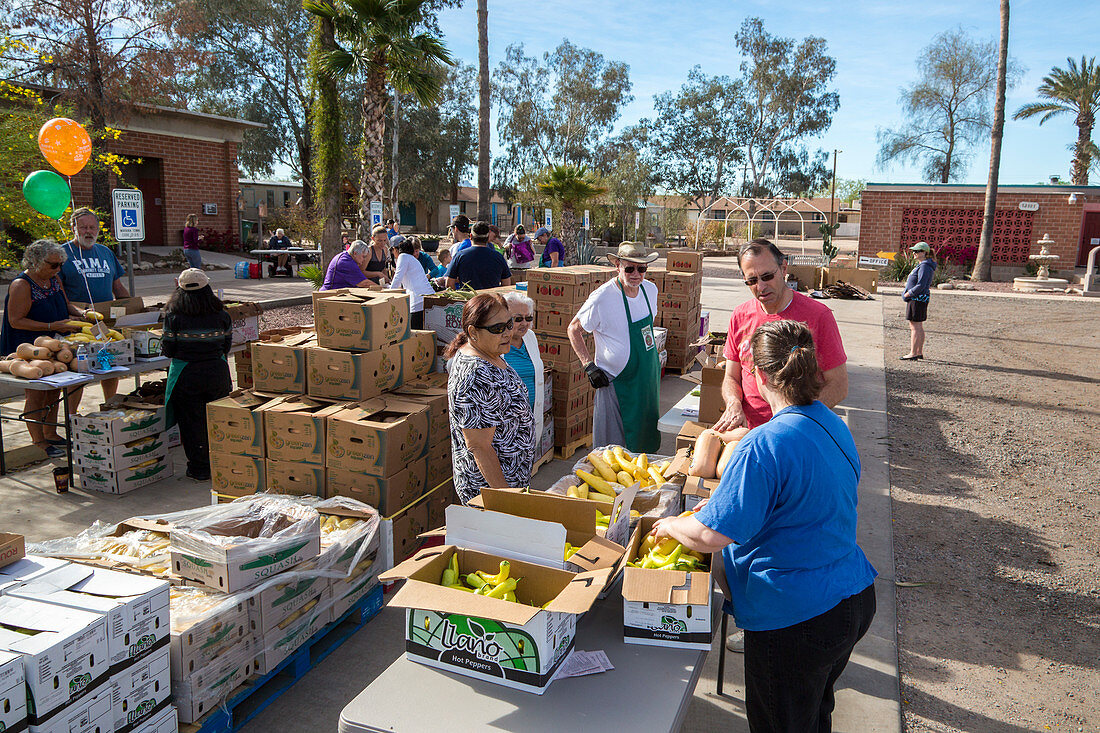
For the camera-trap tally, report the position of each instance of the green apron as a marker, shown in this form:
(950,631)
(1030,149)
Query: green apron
(638,386)
(175,369)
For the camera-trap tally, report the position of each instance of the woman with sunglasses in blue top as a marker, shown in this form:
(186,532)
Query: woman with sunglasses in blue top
(492,427)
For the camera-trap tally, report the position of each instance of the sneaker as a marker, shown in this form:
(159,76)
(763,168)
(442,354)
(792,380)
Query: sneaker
(205,476)
(57,441)
(735,642)
(911,358)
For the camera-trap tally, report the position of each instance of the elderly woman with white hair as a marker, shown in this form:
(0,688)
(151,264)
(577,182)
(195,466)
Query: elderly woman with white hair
(346,270)
(524,355)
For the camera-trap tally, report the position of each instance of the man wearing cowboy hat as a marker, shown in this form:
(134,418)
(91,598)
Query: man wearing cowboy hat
(624,370)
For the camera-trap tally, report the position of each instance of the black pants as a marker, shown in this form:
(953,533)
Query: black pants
(199,383)
(416,320)
(790,672)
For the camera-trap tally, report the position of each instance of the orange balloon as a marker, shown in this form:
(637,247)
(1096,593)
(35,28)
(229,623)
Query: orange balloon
(65,144)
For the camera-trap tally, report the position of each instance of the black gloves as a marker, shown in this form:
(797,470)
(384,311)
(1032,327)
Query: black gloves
(596,376)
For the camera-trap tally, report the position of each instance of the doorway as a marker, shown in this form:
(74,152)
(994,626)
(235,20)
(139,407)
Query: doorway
(147,176)
(1090,236)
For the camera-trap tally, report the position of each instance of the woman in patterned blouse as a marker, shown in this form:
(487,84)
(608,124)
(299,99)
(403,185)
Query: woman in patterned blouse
(492,429)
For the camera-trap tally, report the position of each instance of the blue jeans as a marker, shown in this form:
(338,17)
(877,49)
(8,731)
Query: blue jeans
(790,672)
(194,257)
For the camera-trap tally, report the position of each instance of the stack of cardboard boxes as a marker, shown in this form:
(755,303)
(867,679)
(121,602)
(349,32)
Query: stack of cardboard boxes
(325,417)
(680,286)
(119,450)
(91,645)
(558,294)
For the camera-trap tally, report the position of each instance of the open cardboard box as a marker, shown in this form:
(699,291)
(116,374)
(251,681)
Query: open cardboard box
(578,519)
(141,690)
(695,489)
(294,428)
(666,607)
(280,366)
(13,692)
(518,645)
(361,319)
(379,437)
(430,391)
(12,548)
(348,375)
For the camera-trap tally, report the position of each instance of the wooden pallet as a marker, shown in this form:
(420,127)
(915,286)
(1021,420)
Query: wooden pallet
(566,451)
(253,696)
(546,458)
(680,370)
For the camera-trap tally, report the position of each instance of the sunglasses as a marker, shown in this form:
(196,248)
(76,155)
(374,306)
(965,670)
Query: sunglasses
(54,265)
(521,319)
(631,269)
(498,328)
(767,277)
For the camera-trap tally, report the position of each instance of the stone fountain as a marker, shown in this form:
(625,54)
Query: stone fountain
(1042,279)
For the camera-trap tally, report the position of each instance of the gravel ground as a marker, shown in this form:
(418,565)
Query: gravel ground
(994,477)
(297,315)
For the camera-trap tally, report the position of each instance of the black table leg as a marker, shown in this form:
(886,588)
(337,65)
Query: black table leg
(68,432)
(3,458)
(722,654)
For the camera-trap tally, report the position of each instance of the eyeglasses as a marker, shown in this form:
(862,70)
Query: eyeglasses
(497,328)
(521,319)
(630,269)
(767,277)
(54,265)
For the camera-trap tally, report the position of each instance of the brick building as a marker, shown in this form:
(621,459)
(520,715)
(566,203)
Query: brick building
(899,215)
(188,166)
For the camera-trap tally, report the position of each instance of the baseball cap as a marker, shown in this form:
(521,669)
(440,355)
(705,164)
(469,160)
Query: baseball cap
(540,231)
(920,247)
(193,279)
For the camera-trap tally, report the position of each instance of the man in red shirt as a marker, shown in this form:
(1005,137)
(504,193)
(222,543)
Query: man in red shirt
(765,271)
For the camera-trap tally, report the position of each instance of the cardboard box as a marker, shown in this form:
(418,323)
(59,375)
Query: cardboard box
(361,320)
(689,433)
(565,296)
(229,566)
(528,642)
(94,712)
(440,463)
(682,305)
(111,428)
(666,607)
(344,375)
(127,479)
(112,310)
(683,283)
(280,366)
(140,691)
(346,592)
(807,276)
(656,275)
(286,639)
(107,458)
(209,685)
(684,260)
(405,529)
(711,402)
(683,326)
(166,721)
(866,279)
(234,426)
(576,518)
(234,475)
(135,607)
(12,548)
(558,353)
(146,340)
(546,441)
(198,639)
(294,478)
(430,391)
(417,355)
(246,321)
(578,402)
(387,494)
(64,661)
(294,428)
(13,692)
(553,321)
(27,568)
(274,604)
(377,437)
(570,429)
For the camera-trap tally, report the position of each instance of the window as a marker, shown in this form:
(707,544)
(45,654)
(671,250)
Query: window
(270,199)
(286,199)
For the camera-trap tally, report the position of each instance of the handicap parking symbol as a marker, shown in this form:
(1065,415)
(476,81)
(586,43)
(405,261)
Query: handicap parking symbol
(129,218)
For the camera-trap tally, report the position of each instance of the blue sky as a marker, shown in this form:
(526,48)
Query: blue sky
(875,43)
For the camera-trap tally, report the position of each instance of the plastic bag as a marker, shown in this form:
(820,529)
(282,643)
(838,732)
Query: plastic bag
(345,541)
(267,520)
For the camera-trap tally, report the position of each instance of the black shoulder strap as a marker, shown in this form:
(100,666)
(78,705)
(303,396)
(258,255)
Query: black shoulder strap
(835,442)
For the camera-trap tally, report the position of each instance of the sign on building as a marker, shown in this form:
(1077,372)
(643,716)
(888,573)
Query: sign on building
(1029,205)
(129,214)
(455,211)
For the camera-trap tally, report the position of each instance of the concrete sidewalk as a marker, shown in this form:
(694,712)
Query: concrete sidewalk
(867,694)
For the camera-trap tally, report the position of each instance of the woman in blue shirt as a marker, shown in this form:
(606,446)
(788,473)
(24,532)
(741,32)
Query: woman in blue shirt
(916,297)
(524,356)
(784,519)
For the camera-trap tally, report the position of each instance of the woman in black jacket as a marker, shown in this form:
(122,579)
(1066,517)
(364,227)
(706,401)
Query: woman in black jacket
(197,335)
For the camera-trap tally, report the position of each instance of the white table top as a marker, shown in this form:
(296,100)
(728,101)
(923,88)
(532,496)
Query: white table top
(673,420)
(293,250)
(649,690)
(138,367)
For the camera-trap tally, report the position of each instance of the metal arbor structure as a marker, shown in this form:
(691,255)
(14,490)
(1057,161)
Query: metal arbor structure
(751,208)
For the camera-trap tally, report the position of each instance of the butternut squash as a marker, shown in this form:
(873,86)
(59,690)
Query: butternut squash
(59,366)
(734,435)
(704,458)
(48,343)
(724,459)
(25,370)
(65,355)
(5,366)
(29,352)
(43,365)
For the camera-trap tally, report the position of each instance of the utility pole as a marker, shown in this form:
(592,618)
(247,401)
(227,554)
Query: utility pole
(832,190)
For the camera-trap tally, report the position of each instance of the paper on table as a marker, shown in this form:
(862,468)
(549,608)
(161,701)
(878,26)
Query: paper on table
(580,663)
(108,371)
(690,412)
(64,379)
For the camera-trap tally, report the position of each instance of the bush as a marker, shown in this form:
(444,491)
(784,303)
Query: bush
(299,223)
(220,241)
(314,274)
(899,269)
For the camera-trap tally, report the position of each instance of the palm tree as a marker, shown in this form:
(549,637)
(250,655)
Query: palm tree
(483,211)
(383,44)
(983,261)
(327,139)
(571,185)
(1074,90)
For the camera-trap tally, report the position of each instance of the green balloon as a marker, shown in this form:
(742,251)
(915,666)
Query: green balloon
(47,192)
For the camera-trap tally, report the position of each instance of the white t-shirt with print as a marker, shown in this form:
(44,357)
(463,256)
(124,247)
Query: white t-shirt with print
(604,317)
